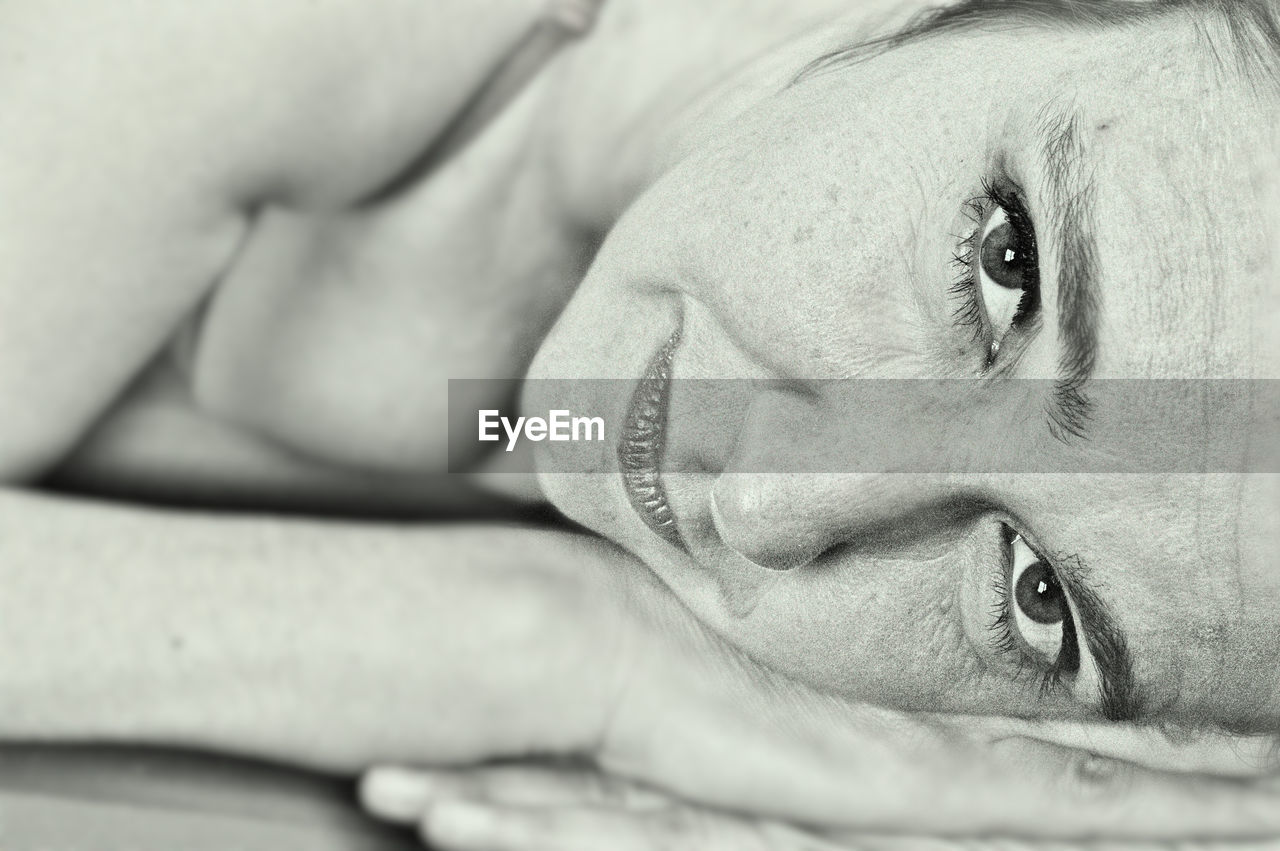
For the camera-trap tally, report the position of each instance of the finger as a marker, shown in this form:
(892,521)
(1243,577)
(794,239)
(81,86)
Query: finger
(918,843)
(784,752)
(1076,793)
(402,795)
(1163,748)
(468,826)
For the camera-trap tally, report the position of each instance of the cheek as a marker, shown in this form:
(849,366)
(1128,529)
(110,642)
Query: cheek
(803,252)
(883,630)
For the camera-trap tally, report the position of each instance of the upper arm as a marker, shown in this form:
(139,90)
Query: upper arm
(139,136)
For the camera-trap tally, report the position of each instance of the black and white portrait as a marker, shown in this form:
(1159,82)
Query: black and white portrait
(639,425)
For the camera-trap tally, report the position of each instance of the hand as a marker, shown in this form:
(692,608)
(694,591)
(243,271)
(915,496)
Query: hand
(542,808)
(656,699)
(539,808)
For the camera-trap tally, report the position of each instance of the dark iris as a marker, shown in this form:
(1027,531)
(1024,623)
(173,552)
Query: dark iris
(1039,595)
(1006,260)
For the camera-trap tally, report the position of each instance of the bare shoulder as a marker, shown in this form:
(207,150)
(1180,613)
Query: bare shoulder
(140,137)
(318,98)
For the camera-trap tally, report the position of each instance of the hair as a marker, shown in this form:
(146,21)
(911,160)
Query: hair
(1253,26)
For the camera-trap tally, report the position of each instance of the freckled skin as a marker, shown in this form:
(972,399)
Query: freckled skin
(1174,206)
(338,353)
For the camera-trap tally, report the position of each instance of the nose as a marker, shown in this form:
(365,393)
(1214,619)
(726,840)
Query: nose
(783,522)
(843,467)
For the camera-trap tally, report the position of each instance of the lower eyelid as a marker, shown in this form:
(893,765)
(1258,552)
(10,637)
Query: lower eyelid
(1086,683)
(966,309)
(980,578)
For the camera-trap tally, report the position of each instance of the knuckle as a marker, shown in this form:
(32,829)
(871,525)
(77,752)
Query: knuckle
(472,784)
(1084,778)
(1092,778)
(1076,780)
(775,836)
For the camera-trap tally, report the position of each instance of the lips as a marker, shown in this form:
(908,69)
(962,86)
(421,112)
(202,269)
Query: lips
(643,441)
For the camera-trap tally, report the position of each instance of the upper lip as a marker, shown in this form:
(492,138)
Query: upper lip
(643,442)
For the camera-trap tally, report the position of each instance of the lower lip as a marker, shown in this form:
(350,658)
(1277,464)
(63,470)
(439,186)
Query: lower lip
(643,442)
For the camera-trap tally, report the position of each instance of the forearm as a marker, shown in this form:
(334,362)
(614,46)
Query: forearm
(318,643)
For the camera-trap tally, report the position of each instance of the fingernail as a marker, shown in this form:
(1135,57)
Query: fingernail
(396,793)
(460,823)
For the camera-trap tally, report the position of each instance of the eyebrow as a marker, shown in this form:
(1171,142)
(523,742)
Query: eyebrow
(1071,193)
(1120,698)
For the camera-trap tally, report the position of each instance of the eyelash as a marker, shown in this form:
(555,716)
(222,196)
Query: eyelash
(1049,681)
(968,312)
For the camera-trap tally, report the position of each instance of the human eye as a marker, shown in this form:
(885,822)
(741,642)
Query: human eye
(998,289)
(1032,622)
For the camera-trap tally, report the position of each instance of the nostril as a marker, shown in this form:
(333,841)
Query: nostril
(745,525)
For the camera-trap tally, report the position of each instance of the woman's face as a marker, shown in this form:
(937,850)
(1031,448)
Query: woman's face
(1026,204)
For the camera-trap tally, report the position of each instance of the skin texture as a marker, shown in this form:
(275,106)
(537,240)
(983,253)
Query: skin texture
(325,272)
(518,808)
(809,238)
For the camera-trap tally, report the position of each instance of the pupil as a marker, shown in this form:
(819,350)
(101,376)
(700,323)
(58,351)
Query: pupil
(1001,259)
(1040,596)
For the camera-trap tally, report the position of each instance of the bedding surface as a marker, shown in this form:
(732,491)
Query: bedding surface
(106,799)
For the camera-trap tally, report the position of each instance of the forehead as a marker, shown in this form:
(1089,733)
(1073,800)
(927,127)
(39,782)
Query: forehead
(1186,564)
(1178,153)
(1174,151)
(1183,213)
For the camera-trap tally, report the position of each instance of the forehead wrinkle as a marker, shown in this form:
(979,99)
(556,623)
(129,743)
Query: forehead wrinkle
(1185,202)
(1187,614)
(1181,263)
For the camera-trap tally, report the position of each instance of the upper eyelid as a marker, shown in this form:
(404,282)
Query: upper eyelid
(1016,523)
(1012,197)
